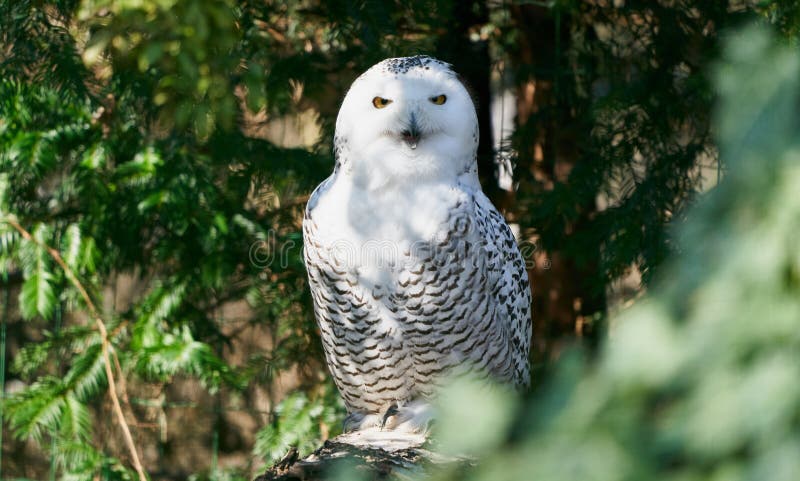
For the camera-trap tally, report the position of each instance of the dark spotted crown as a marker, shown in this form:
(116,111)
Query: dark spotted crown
(402,65)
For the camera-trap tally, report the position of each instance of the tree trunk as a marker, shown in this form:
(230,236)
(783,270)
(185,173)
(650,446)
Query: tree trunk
(565,296)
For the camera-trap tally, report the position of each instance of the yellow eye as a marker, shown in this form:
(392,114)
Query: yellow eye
(439,99)
(380,102)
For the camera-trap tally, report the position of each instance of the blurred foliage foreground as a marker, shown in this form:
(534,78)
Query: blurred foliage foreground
(699,380)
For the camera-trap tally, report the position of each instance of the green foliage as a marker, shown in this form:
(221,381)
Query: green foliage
(472,428)
(178,54)
(37,296)
(629,116)
(58,404)
(162,351)
(49,406)
(299,421)
(80,461)
(700,378)
(130,143)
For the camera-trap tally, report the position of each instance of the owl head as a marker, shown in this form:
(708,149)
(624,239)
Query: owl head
(404,120)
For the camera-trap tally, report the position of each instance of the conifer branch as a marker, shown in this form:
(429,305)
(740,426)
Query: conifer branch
(101,327)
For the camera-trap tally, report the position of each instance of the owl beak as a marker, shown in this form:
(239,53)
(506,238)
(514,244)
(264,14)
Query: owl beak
(411,135)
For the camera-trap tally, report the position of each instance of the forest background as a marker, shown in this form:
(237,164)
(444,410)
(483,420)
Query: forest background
(156,155)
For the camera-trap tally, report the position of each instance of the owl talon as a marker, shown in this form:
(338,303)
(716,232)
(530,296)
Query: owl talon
(391,411)
(354,422)
(412,417)
(359,421)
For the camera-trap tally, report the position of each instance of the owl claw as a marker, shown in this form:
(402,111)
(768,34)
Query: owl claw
(412,417)
(357,421)
(391,411)
(354,421)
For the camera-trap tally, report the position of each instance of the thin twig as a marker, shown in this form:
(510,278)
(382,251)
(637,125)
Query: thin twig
(126,401)
(122,388)
(101,327)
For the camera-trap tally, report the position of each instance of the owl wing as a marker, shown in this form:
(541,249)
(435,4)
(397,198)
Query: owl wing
(466,302)
(510,288)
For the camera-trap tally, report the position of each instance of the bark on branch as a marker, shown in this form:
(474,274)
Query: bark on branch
(374,454)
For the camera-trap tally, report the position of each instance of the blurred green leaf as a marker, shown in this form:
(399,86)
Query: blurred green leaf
(474,417)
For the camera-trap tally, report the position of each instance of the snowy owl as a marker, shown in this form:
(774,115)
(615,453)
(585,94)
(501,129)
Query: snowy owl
(413,272)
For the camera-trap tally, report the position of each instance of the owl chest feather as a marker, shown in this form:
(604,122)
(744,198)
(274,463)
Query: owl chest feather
(377,285)
(405,288)
(349,217)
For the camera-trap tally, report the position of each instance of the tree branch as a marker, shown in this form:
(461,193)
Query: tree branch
(374,454)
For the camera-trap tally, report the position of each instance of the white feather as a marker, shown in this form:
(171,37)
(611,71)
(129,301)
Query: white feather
(412,270)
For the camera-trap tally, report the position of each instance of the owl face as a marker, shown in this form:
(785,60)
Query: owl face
(407,117)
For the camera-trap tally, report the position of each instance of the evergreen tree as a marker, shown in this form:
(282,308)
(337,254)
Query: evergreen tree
(130,144)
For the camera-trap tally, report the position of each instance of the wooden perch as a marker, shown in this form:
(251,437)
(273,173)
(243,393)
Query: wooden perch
(374,453)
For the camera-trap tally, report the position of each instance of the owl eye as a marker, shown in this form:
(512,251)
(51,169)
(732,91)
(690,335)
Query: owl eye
(439,99)
(380,102)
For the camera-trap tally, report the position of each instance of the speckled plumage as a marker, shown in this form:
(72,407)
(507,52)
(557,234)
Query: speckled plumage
(412,271)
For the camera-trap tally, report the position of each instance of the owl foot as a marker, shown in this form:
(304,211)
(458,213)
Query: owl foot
(391,411)
(409,417)
(357,421)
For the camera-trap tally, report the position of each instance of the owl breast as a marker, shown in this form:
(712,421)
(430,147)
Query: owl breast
(408,287)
